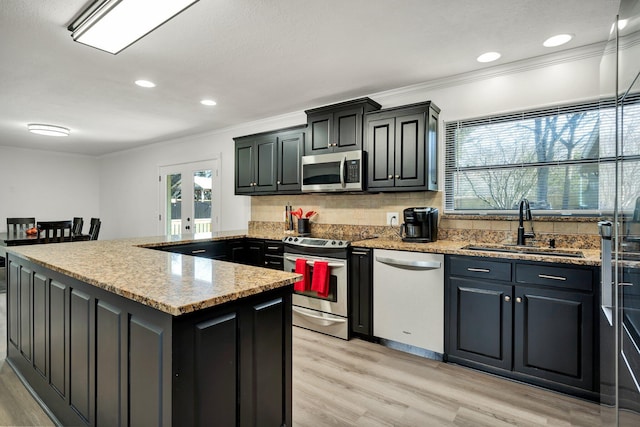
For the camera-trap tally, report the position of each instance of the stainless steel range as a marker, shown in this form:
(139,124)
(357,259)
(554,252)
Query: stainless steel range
(326,314)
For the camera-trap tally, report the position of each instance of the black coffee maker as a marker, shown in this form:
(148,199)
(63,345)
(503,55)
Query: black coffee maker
(420,225)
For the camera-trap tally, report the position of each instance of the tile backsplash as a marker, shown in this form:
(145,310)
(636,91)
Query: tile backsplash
(349,209)
(368,211)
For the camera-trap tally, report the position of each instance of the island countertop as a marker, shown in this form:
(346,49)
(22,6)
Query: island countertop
(169,282)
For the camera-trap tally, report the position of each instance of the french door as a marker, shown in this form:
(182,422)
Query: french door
(189,198)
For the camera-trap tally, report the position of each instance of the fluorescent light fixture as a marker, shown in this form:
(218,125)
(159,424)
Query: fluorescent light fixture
(208,102)
(145,83)
(48,130)
(558,40)
(112,25)
(488,57)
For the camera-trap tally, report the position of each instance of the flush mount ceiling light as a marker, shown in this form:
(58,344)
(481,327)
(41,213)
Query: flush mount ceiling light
(48,130)
(558,40)
(488,57)
(145,83)
(112,25)
(208,102)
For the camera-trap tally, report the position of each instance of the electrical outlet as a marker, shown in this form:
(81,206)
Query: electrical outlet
(392,218)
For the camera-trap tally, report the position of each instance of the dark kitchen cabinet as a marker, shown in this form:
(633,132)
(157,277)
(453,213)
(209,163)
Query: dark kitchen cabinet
(401,145)
(530,321)
(96,358)
(269,163)
(337,127)
(361,292)
(204,249)
(255,166)
(481,322)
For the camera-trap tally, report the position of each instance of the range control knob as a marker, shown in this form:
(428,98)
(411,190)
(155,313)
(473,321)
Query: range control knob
(295,239)
(333,242)
(341,243)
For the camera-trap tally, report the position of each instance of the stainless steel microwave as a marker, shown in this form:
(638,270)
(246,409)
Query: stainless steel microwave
(333,172)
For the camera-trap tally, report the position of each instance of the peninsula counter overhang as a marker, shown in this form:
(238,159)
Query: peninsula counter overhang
(170,282)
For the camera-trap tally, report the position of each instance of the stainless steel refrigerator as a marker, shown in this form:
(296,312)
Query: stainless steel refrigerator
(619,324)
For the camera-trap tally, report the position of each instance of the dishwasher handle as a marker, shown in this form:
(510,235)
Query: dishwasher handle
(410,265)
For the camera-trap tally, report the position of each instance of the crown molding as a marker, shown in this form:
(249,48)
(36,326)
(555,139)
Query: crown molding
(571,55)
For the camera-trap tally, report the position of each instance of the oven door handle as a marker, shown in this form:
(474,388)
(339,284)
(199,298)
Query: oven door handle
(304,312)
(311,263)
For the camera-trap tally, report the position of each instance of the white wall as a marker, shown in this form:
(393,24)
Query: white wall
(129,180)
(129,188)
(48,186)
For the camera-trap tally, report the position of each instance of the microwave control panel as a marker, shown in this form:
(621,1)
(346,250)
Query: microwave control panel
(353,171)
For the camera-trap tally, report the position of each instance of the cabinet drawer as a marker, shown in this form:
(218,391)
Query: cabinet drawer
(561,277)
(274,262)
(481,268)
(273,248)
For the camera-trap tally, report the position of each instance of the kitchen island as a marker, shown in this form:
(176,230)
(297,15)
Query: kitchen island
(114,333)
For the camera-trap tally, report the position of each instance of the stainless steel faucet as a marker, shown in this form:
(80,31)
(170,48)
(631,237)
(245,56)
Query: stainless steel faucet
(524,214)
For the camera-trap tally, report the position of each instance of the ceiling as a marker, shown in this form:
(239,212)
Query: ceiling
(257,59)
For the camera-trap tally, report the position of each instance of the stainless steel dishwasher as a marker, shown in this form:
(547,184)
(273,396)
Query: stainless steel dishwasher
(408,301)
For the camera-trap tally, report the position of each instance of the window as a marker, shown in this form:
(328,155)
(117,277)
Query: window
(562,159)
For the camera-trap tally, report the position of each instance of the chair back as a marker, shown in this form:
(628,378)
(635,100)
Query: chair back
(54,231)
(94,228)
(20,224)
(78,223)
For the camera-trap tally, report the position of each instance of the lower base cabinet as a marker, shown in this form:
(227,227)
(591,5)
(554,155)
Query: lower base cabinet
(95,358)
(531,322)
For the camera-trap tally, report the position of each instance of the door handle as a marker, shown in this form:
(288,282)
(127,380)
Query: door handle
(416,265)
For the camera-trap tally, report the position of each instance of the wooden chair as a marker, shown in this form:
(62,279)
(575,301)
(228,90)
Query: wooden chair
(94,228)
(54,231)
(78,223)
(14,225)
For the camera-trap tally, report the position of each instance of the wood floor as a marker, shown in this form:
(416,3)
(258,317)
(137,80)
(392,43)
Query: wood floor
(357,383)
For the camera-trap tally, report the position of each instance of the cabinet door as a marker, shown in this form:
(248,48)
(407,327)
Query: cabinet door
(410,151)
(245,159)
(347,129)
(361,291)
(553,333)
(319,134)
(237,251)
(380,152)
(266,164)
(290,148)
(480,322)
(255,253)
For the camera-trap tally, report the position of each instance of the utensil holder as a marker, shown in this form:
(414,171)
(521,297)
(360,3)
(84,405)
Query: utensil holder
(304,227)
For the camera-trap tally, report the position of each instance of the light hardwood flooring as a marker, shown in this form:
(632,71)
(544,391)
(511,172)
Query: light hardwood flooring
(357,383)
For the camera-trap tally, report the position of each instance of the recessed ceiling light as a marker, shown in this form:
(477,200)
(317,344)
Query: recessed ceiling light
(208,102)
(48,130)
(488,57)
(558,40)
(145,83)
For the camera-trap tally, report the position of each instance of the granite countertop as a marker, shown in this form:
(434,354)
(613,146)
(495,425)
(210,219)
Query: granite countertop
(591,256)
(170,282)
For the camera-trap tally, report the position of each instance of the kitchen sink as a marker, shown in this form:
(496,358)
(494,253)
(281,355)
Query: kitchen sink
(530,250)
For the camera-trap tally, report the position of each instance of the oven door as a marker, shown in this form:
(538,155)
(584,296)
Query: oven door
(336,301)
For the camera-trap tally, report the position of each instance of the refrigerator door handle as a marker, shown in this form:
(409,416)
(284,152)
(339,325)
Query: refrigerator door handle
(606,281)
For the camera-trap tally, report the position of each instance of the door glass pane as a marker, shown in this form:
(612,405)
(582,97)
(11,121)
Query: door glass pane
(174,204)
(202,183)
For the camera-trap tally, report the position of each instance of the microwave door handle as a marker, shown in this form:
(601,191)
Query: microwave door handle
(342,164)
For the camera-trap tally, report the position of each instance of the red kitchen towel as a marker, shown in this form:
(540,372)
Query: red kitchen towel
(320,280)
(302,268)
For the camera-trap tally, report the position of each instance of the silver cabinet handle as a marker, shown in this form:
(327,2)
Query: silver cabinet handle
(518,299)
(199,251)
(478,270)
(272,248)
(314,316)
(417,265)
(625,284)
(397,176)
(507,298)
(359,253)
(390,176)
(546,276)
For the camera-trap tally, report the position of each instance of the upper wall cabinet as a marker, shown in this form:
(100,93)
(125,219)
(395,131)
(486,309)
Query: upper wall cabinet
(401,145)
(337,127)
(269,162)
